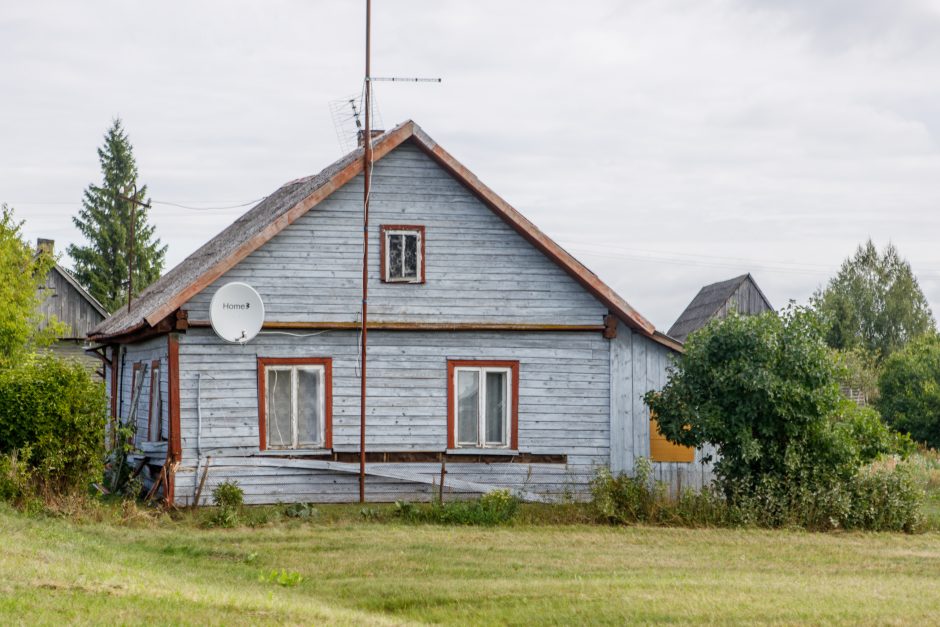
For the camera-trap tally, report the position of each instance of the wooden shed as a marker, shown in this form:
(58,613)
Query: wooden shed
(740,294)
(492,351)
(66,300)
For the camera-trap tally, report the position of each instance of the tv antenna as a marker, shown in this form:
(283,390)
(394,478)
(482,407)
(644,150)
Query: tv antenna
(366,189)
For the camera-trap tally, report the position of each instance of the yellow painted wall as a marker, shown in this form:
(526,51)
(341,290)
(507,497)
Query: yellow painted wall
(662,450)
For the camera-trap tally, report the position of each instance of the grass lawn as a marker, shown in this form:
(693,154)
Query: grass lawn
(360,572)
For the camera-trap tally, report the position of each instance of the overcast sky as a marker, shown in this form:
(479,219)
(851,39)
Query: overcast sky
(666,144)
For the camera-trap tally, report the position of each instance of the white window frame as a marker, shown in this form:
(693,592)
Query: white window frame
(481,409)
(321,404)
(419,258)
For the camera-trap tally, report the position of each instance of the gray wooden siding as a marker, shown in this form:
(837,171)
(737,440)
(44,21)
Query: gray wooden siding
(563,406)
(746,300)
(75,350)
(478,269)
(638,365)
(64,302)
(143,352)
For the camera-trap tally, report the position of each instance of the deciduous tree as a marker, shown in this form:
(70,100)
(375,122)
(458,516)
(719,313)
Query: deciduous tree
(873,303)
(22,272)
(910,390)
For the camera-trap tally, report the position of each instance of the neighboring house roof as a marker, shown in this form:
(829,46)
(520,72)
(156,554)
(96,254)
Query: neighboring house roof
(296,198)
(709,302)
(81,290)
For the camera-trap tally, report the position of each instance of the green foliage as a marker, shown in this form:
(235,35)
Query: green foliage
(637,498)
(866,433)
(761,389)
(873,303)
(858,371)
(301,511)
(53,409)
(15,476)
(884,496)
(493,508)
(22,272)
(105,220)
(228,498)
(281,577)
(910,390)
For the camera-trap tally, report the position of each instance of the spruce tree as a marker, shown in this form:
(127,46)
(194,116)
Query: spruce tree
(105,220)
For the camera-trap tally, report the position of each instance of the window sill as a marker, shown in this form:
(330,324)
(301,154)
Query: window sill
(292,452)
(481,451)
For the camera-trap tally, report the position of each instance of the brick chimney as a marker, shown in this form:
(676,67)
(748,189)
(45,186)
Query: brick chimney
(360,134)
(45,246)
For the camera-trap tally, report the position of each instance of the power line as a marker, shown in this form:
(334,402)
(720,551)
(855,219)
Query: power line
(168,203)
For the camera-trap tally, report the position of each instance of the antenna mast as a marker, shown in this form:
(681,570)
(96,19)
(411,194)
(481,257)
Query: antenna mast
(367,159)
(366,181)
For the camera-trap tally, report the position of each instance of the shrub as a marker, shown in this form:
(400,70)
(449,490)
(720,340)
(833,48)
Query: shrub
(228,498)
(760,389)
(15,476)
(493,508)
(626,499)
(52,408)
(887,496)
(863,429)
(884,496)
(909,389)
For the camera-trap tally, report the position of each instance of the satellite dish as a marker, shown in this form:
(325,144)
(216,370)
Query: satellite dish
(236,313)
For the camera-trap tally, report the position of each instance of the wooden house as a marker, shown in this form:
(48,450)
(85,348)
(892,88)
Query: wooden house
(491,349)
(740,294)
(67,301)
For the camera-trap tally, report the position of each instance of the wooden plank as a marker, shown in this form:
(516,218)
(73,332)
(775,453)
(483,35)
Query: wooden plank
(423,326)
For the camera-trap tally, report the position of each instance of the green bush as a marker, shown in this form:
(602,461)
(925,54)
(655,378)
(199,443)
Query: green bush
(493,508)
(637,498)
(52,408)
(228,498)
(885,496)
(15,476)
(909,389)
(863,429)
(761,390)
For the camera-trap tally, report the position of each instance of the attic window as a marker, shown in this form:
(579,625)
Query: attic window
(402,253)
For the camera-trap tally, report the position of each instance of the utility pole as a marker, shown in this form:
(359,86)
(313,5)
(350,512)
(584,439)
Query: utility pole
(132,243)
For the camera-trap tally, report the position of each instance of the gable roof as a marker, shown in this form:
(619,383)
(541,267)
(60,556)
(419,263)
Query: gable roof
(81,290)
(709,300)
(297,197)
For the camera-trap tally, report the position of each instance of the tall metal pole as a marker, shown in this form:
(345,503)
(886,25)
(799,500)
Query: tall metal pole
(366,180)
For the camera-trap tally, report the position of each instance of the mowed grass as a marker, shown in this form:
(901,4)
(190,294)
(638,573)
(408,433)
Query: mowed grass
(56,571)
